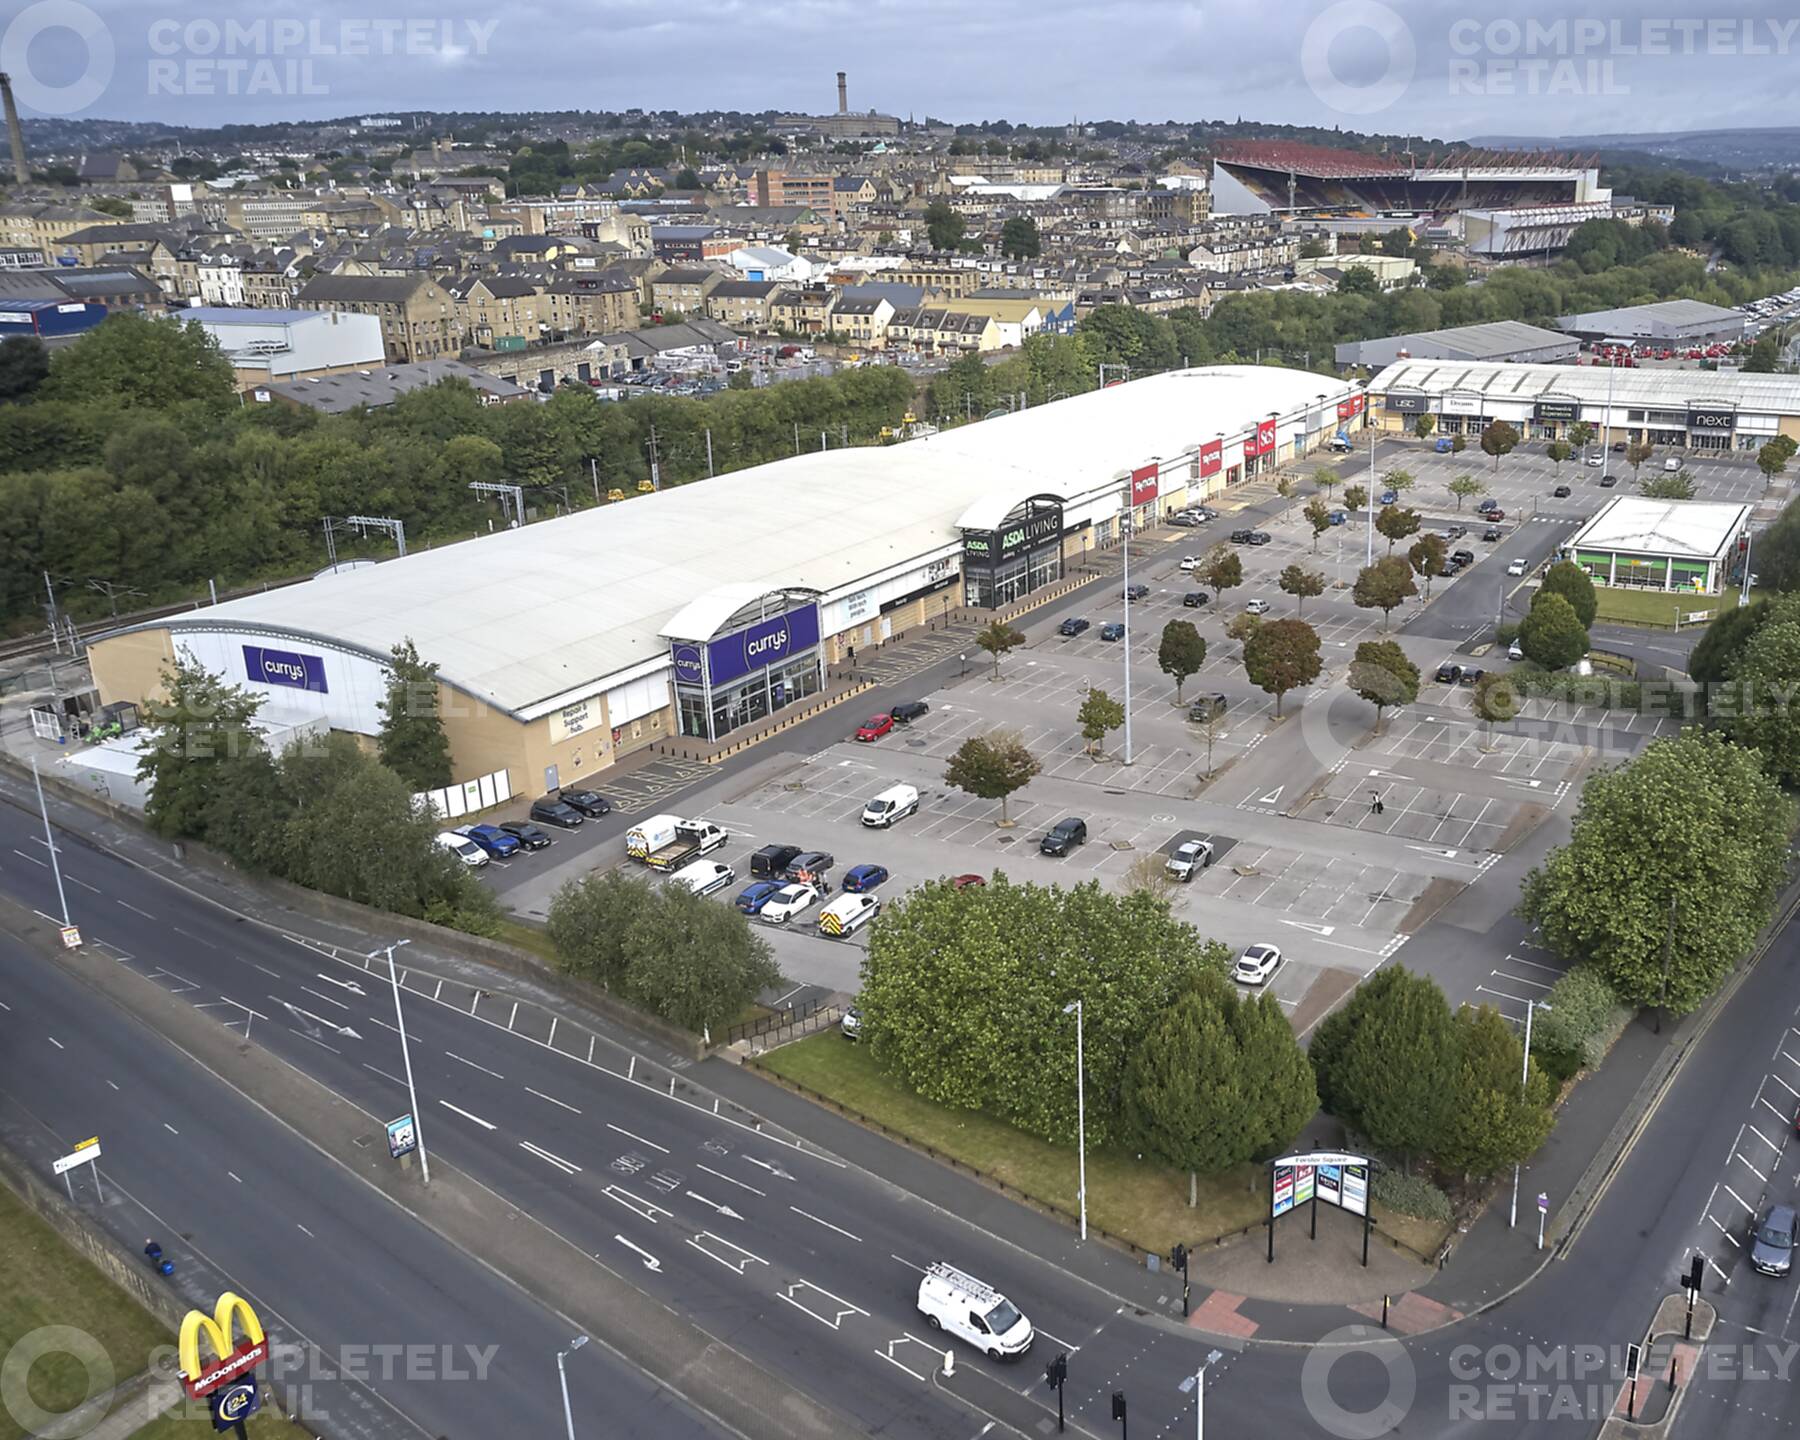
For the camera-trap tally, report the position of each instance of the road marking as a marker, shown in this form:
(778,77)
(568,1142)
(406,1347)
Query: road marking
(485,1125)
(1785,1086)
(473,1066)
(304,1231)
(808,1215)
(724,1210)
(909,1265)
(394,1029)
(643,1209)
(1064,1343)
(1762,1137)
(170,1128)
(111,1083)
(650,1261)
(844,1309)
(349,985)
(567,1167)
(135,911)
(774,1170)
(739,1266)
(892,1361)
(32,858)
(1737,1197)
(1739,1157)
(235,1176)
(728,1180)
(551,1098)
(267,971)
(57,1043)
(639,1138)
(74,880)
(197,939)
(326,998)
(384,1074)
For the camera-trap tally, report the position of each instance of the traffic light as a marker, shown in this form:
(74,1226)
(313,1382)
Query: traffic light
(1056,1371)
(1696,1272)
(1118,1405)
(1180,1258)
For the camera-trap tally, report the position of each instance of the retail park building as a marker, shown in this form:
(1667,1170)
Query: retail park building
(564,645)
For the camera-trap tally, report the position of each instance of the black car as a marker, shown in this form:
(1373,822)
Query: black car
(1487,505)
(1608,481)
(551,811)
(1449,674)
(772,861)
(1242,537)
(528,836)
(1561,492)
(1260,537)
(1450,567)
(1064,836)
(1463,557)
(813,862)
(589,802)
(1206,708)
(1074,625)
(1491,534)
(1618,447)
(1471,675)
(908,711)
(1136,592)
(1194,599)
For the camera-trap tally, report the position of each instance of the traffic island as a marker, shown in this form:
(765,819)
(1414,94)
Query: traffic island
(1657,1371)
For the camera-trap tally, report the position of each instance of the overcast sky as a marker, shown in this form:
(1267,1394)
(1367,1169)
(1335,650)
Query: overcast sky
(1410,66)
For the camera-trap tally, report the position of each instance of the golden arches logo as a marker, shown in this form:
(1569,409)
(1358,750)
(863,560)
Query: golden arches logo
(232,1361)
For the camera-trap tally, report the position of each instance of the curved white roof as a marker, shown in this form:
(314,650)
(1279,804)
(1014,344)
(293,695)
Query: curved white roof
(530,618)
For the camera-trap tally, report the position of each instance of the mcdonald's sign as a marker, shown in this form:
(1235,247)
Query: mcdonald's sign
(232,1361)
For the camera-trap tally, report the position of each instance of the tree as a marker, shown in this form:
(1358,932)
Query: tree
(693,962)
(1778,551)
(1424,425)
(944,226)
(1355,497)
(197,724)
(1580,433)
(1284,486)
(998,638)
(1358,280)
(1400,481)
(1099,714)
(1220,569)
(1241,626)
(1298,581)
(1326,478)
(991,767)
(1730,630)
(1458,444)
(1149,875)
(1464,487)
(1493,1121)
(1636,454)
(412,742)
(1559,452)
(24,365)
(1673,861)
(1765,355)
(1678,486)
(1181,653)
(1382,675)
(1427,558)
(588,921)
(1495,700)
(1282,655)
(1552,634)
(1284,1095)
(1384,585)
(1396,522)
(1498,439)
(135,362)
(1318,516)
(1385,1063)
(1019,238)
(1771,459)
(1569,580)
(687,178)
(1757,709)
(247,811)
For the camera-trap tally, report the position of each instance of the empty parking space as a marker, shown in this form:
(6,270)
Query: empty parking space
(1467,745)
(1431,815)
(1314,892)
(1520,980)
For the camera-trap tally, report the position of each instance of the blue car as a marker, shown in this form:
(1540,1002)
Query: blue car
(1112,631)
(495,843)
(1388,497)
(1338,517)
(864,877)
(753,897)
(1444,447)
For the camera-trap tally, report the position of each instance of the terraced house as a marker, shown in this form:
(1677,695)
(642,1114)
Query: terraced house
(418,317)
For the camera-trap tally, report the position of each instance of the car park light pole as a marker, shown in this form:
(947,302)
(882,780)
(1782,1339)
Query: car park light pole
(412,1095)
(62,897)
(562,1374)
(1127,541)
(1369,505)
(1512,1218)
(1074,1008)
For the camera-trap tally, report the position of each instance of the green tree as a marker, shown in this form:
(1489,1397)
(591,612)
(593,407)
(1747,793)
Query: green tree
(247,811)
(695,963)
(991,767)
(132,361)
(1396,522)
(24,365)
(1220,569)
(1384,585)
(1282,655)
(1580,434)
(998,638)
(1670,871)
(1019,238)
(1359,280)
(589,920)
(1493,1121)
(1498,439)
(1464,487)
(1099,714)
(1424,425)
(1559,453)
(1778,551)
(1318,516)
(1385,1063)
(1181,653)
(1283,1094)
(1569,580)
(1552,635)
(1301,583)
(944,227)
(1765,355)
(1187,1099)
(1458,444)
(196,725)
(1771,459)
(687,178)
(1677,486)
(1382,675)
(1636,454)
(1757,707)
(1326,478)
(1400,481)
(1495,700)
(1427,558)
(1727,634)
(411,741)
(1355,497)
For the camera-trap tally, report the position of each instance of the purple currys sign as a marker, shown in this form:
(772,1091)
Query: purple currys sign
(687,664)
(768,642)
(285,667)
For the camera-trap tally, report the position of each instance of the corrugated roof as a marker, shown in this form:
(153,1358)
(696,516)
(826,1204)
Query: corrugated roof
(1655,389)
(1693,529)
(1627,318)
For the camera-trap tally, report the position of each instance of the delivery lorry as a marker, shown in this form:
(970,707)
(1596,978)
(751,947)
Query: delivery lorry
(667,842)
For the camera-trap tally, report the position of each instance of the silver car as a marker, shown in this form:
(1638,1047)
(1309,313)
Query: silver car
(1772,1241)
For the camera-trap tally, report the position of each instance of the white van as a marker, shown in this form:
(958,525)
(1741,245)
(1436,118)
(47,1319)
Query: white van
(890,805)
(463,848)
(847,914)
(704,876)
(973,1311)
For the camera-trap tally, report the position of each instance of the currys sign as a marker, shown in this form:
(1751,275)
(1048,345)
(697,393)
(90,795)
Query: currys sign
(760,645)
(687,664)
(285,667)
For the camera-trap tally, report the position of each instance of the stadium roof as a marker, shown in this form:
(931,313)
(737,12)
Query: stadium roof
(1648,388)
(1691,529)
(1319,160)
(531,619)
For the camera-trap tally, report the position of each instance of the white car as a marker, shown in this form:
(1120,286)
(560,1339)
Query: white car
(463,848)
(1515,567)
(787,902)
(1257,964)
(1194,855)
(1188,562)
(1596,460)
(1256,607)
(1671,465)
(704,876)
(1515,651)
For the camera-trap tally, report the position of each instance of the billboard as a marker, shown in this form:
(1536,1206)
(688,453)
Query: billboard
(688,669)
(1561,411)
(1463,404)
(1212,458)
(990,547)
(1282,1199)
(1407,404)
(232,1362)
(285,667)
(1329,1175)
(1144,484)
(1262,442)
(758,646)
(1351,408)
(1719,422)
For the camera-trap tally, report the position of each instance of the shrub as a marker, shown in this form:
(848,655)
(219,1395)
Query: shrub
(1507,633)
(1410,1195)
(1582,1019)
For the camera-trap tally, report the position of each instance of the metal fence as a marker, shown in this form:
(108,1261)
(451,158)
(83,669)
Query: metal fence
(783,1024)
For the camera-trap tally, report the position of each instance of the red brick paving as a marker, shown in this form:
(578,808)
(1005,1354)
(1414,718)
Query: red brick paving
(1411,1313)
(1217,1313)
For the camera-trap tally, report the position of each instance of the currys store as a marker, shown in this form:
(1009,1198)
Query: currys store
(757,659)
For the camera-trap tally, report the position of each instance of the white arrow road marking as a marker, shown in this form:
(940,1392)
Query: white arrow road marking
(1436,850)
(643,1208)
(908,1338)
(843,1307)
(774,1170)
(650,1261)
(566,1166)
(730,1264)
(725,1210)
(1526,784)
(728,1180)
(349,985)
(318,1020)
(1308,925)
(484,1124)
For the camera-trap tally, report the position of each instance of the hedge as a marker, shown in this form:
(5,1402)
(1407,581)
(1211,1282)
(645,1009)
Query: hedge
(1411,1195)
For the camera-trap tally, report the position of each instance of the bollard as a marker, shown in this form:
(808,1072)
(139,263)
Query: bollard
(1672,1360)
(1384,1312)
(949,1363)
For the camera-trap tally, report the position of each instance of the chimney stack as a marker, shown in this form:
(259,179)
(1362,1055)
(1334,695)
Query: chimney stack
(15,133)
(843,94)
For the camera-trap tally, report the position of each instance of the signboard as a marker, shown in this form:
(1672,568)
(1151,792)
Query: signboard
(1407,404)
(1303,1183)
(571,720)
(1356,1189)
(235,1403)
(1718,422)
(1284,1189)
(1351,408)
(1331,1184)
(1212,457)
(232,1363)
(990,547)
(767,642)
(80,1155)
(1561,411)
(403,1136)
(1334,1177)
(1143,484)
(687,665)
(285,667)
(1454,404)
(856,607)
(71,937)
(1262,442)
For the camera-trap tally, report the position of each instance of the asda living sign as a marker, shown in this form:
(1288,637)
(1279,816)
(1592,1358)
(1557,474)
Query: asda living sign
(991,547)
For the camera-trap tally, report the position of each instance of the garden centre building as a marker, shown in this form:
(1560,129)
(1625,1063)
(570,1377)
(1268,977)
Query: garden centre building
(1699,410)
(566,644)
(1690,546)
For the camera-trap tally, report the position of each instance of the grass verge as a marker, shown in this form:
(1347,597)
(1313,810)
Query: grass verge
(183,1424)
(1655,607)
(1127,1197)
(527,937)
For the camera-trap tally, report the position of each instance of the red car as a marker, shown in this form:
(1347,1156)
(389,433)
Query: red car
(964,882)
(875,727)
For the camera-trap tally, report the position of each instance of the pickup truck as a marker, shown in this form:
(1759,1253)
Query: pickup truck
(667,842)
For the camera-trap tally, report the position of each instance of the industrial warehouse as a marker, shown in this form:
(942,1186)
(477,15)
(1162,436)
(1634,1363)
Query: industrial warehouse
(1696,410)
(565,645)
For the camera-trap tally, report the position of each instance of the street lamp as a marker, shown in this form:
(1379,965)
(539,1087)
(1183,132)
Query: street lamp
(562,1374)
(50,843)
(1074,1008)
(412,1095)
(1531,1006)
